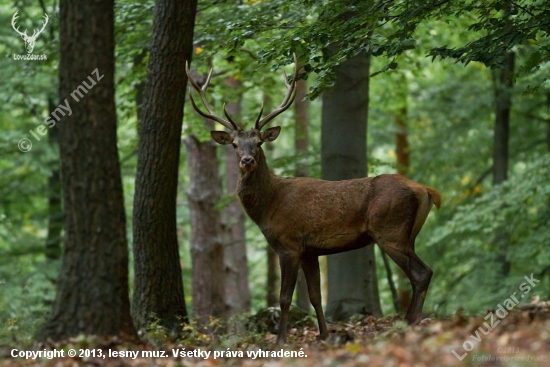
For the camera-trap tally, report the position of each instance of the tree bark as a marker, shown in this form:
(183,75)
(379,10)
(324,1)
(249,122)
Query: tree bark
(353,286)
(207,252)
(503,103)
(158,287)
(55,210)
(301,141)
(237,292)
(92,289)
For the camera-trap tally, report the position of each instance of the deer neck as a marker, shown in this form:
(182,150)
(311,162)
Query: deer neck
(257,189)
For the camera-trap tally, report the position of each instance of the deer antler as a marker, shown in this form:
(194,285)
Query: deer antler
(45,21)
(231,125)
(287,101)
(35,33)
(13,19)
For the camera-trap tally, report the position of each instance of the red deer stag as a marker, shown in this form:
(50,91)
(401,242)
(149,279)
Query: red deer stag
(303,218)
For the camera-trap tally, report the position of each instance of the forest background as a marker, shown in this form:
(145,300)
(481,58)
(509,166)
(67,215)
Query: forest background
(471,120)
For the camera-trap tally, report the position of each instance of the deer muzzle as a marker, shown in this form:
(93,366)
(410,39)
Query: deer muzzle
(248,163)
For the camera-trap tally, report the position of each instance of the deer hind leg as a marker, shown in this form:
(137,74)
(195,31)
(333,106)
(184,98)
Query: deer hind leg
(419,275)
(310,265)
(289,273)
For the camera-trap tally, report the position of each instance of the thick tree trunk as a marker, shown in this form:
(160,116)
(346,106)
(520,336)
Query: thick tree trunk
(301,142)
(92,290)
(158,287)
(55,211)
(503,103)
(207,253)
(352,282)
(402,150)
(237,292)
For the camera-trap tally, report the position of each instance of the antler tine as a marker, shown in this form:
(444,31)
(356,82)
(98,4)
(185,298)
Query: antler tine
(229,118)
(13,19)
(287,100)
(46,18)
(286,78)
(191,80)
(207,82)
(259,117)
(196,107)
(212,115)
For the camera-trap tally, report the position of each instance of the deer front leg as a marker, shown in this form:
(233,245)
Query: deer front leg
(313,279)
(289,272)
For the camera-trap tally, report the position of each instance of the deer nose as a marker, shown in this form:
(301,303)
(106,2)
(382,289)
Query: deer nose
(247,161)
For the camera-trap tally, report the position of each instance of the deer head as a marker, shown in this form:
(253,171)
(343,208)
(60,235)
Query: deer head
(29,40)
(246,143)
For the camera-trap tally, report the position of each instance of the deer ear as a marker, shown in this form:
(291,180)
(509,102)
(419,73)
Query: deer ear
(271,134)
(221,137)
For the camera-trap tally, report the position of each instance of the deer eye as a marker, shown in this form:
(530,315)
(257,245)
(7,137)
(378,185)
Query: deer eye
(234,145)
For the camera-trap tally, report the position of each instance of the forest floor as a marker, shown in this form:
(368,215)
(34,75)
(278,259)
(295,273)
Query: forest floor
(520,338)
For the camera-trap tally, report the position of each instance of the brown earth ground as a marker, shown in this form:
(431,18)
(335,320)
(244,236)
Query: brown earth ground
(521,338)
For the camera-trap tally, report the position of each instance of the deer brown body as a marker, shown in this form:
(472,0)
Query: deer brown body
(303,218)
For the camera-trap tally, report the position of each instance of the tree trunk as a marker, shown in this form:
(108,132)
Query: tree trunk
(237,292)
(503,103)
(92,289)
(207,252)
(352,282)
(55,210)
(140,86)
(402,151)
(301,141)
(158,287)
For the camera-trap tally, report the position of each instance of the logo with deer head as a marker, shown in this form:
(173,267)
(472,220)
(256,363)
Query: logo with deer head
(29,40)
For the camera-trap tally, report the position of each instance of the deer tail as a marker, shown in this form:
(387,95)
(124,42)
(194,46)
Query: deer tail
(426,198)
(435,196)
